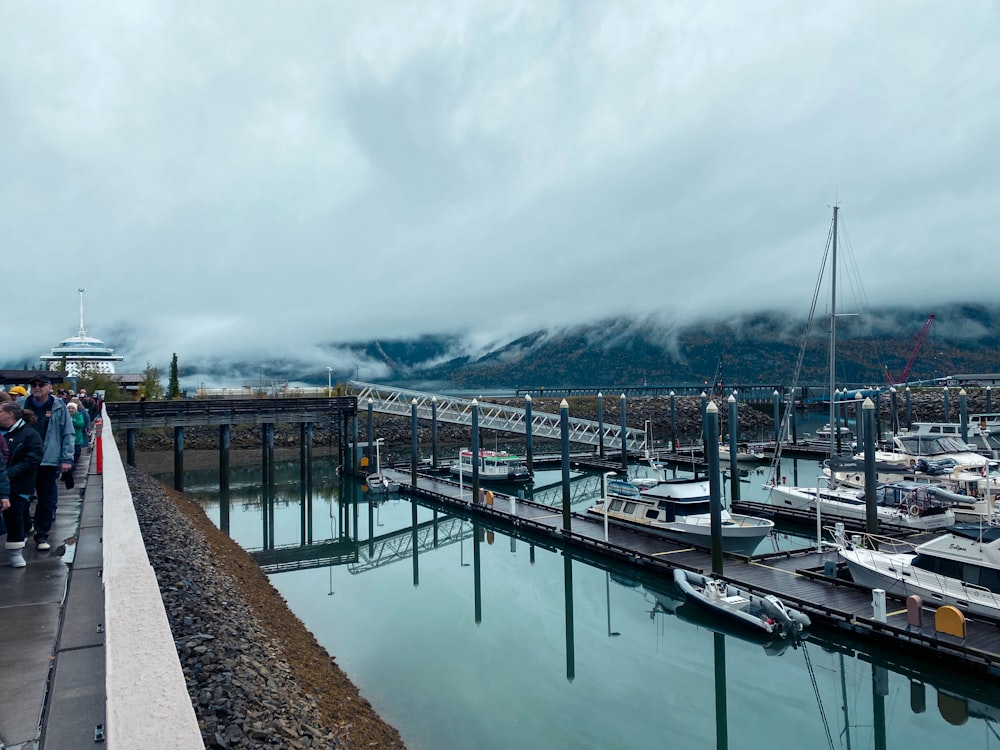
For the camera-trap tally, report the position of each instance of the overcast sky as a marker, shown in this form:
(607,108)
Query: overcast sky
(247,179)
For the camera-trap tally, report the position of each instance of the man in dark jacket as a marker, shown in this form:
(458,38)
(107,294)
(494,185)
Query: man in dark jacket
(24,454)
(56,430)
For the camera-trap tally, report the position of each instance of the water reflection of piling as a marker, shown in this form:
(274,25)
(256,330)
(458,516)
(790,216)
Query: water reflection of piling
(477,571)
(570,640)
(415,543)
(721,704)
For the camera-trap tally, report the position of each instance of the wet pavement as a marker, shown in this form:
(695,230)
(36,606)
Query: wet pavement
(52,612)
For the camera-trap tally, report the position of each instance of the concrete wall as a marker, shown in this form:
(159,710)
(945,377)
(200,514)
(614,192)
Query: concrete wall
(148,705)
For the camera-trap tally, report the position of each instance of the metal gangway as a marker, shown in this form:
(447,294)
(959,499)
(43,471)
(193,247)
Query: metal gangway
(399,401)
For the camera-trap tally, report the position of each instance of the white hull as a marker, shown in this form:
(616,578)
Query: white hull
(845,504)
(895,574)
(381,485)
(740,534)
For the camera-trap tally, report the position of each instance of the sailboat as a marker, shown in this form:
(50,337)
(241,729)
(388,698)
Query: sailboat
(834,502)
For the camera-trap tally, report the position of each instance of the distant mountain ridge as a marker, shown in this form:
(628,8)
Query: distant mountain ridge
(754,348)
(762,347)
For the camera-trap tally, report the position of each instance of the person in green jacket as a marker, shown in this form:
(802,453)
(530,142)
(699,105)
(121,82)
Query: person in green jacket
(79,425)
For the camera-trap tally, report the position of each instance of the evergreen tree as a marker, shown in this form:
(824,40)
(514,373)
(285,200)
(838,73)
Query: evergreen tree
(174,386)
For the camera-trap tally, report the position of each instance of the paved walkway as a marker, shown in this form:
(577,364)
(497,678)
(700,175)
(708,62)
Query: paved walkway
(52,614)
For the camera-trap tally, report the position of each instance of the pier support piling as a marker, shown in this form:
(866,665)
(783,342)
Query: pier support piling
(179,458)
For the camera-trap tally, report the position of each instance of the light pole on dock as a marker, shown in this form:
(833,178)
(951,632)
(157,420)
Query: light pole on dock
(329,381)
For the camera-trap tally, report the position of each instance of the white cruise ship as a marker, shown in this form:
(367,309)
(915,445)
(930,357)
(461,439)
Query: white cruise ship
(82,353)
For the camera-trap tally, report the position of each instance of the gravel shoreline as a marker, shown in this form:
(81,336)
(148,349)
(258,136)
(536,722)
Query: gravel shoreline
(257,678)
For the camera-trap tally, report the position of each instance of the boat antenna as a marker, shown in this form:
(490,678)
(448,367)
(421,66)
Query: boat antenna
(83,331)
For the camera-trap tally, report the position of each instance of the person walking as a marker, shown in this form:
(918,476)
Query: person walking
(24,454)
(54,426)
(5,492)
(79,424)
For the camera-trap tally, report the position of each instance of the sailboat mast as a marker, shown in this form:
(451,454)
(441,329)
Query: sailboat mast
(834,430)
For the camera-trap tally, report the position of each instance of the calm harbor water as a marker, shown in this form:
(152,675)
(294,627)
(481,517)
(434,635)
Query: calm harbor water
(482,640)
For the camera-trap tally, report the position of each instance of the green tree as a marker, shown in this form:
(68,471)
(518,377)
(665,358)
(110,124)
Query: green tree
(174,386)
(95,381)
(150,387)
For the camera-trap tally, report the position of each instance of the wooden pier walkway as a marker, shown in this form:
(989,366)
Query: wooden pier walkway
(796,577)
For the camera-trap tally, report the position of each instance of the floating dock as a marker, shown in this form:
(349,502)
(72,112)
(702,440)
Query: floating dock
(803,579)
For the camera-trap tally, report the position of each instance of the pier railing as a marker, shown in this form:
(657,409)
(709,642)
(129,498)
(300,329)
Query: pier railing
(184,412)
(455,410)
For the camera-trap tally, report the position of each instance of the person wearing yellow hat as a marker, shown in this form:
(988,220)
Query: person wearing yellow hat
(18,390)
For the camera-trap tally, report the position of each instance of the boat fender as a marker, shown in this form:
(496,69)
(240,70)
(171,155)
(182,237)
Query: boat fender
(914,510)
(340,470)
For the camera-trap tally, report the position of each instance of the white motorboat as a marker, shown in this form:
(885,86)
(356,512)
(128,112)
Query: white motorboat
(680,509)
(376,482)
(960,568)
(744,452)
(972,492)
(494,466)
(906,505)
(934,452)
(765,613)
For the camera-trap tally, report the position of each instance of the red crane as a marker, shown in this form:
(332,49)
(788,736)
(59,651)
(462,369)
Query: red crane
(921,338)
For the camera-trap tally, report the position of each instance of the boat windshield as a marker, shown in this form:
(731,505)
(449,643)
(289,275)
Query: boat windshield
(924,445)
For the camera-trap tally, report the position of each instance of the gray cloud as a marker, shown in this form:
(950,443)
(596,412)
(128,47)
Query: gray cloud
(235,181)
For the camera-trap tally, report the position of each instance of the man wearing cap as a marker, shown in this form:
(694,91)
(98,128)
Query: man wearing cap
(56,430)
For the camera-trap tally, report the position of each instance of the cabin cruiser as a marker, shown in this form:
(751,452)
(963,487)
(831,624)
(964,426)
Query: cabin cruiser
(972,492)
(939,451)
(679,509)
(494,466)
(908,505)
(960,568)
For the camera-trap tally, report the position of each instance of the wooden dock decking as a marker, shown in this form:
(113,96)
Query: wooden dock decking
(795,577)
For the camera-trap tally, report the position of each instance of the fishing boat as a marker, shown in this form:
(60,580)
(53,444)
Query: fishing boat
(763,613)
(494,466)
(679,509)
(960,568)
(908,505)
